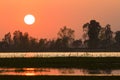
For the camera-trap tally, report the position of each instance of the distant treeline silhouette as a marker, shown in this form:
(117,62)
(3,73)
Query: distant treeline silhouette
(95,38)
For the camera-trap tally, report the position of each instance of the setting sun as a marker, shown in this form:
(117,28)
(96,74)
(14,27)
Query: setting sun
(29,19)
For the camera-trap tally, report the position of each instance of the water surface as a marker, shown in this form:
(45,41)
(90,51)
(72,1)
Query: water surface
(55,71)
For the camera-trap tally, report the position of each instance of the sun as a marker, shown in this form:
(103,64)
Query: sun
(29,19)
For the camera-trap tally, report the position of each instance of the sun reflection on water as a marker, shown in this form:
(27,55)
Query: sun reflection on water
(29,71)
(29,74)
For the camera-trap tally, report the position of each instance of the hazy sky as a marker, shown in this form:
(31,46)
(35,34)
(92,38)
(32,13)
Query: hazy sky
(51,15)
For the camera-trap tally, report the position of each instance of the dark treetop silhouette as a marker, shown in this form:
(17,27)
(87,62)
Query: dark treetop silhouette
(95,38)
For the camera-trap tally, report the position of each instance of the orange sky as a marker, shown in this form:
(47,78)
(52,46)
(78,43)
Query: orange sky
(51,15)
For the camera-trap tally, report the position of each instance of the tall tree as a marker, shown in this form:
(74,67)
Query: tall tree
(117,37)
(106,36)
(66,35)
(42,44)
(33,44)
(108,32)
(93,32)
(21,41)
(94,28)
(17,39)
(25,41)
(7,38)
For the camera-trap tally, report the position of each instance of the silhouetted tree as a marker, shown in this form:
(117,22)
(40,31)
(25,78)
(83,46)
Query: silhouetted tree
(42,44)
(117,37)
(94,36)
(33,44)
(85,32)
(109,36)
(58,44)
(94,28)
(21,41)
(25,41)
(93,32)
(7,38)
(108,32)
(17,39)
(6,42)
(105,35)
(77,44)
(66,36)
(4,46)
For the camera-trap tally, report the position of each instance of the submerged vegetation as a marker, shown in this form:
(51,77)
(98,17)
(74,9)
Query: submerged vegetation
(95,38)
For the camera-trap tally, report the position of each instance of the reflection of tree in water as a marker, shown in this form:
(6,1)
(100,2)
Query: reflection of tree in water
(66,71)
(42,69)
(85,71)
(19,70)
(98,71)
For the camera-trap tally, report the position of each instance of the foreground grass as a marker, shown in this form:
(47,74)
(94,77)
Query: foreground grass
(63,62)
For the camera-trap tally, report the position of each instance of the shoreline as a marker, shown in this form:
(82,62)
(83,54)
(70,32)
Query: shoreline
(57,54)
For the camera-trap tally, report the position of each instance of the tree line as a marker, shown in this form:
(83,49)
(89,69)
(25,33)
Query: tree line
(95,38)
